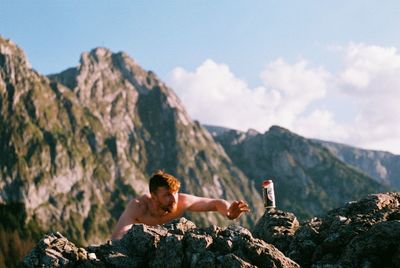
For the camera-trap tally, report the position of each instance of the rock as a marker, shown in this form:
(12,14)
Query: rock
(55,250)
(364,233)
(142,239)
(276,227)
(177,244)
(171,249)
(232,261)
(359,234)
(92,256)
(180,226)
(379,247)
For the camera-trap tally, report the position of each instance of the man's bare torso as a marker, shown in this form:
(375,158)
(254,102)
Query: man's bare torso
(166,205)
(148,215)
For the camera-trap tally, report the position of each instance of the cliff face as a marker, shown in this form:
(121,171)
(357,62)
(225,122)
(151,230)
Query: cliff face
(308,179)
(76,146)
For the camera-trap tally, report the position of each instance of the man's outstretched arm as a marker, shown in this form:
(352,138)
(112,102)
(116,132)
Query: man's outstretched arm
(231,210)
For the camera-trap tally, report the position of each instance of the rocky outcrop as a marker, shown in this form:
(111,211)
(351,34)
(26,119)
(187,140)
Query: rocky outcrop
(178,244)
(360,234)
(277,227)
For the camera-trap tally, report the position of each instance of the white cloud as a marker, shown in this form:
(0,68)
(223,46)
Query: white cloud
(295,96)
(214,95)
(297,85)
(321,124)
(366,65)
(377,96)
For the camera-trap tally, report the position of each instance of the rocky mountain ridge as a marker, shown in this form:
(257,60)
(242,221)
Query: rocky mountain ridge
(382,166)
(308,178)
(78,145)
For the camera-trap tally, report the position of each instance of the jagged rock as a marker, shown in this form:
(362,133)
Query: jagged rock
(377,247)
(360,234)
(277,227)
(55,250)
(178,244)
(232,261)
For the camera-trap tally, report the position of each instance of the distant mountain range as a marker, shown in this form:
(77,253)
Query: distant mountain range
(382,166)
(309,178)
(76,146)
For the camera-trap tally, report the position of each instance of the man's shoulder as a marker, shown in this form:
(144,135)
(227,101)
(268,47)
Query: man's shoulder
(184,197)
(186,200)
(139,205)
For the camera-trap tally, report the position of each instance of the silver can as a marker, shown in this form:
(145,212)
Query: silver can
(268,194)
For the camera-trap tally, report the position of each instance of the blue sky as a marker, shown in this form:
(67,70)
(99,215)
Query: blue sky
(309,66)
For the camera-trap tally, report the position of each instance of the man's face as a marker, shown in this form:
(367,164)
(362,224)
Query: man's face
(166,199)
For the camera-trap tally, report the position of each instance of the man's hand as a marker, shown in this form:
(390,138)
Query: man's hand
(236,209)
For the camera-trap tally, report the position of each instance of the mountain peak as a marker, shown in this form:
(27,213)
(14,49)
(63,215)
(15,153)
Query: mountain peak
(8,47)
(99,54)
(12,60)
(278,129)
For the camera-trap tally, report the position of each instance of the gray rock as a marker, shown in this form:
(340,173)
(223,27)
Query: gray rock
(379,247)
(169,252)
(277,227)
(232,261)
(359,234)
(364,233)
(178,244)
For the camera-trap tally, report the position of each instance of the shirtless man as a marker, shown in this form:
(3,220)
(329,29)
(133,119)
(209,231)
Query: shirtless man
(164,204)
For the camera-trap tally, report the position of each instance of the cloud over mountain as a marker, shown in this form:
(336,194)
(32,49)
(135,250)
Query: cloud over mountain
(214,95)
(355,105)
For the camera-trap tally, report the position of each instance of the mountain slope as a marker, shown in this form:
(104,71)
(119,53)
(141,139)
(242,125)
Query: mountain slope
(308,178)
(382,166)
(76,146)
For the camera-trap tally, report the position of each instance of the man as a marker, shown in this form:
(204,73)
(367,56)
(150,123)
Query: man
(164,204)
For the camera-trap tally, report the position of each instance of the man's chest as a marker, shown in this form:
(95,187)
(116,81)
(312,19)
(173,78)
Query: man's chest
(153,220)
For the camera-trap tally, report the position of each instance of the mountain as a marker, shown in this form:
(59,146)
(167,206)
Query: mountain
(78,145)
(308,178)
(382,166)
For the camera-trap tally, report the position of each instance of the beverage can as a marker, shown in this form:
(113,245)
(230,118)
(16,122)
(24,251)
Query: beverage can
(268,194)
